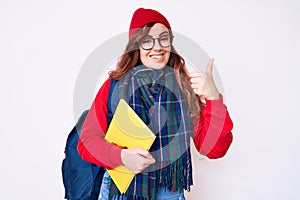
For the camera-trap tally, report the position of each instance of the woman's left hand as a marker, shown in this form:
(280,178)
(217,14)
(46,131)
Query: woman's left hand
(203,83)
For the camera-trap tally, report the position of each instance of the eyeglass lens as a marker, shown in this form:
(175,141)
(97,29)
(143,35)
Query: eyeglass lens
(148,42)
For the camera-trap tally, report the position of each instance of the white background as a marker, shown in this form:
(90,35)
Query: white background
(256,46)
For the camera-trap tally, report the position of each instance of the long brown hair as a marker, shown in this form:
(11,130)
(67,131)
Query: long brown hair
(131,57)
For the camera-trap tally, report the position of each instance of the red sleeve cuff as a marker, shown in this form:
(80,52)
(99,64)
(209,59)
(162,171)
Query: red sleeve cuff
(215,103)
(115,155)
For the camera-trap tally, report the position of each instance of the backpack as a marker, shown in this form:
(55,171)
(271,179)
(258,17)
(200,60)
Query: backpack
(82,180)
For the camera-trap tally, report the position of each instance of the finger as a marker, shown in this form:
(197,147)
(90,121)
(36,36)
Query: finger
(147,162)
(196,79)
(194,74)
(198,91)
(195,86)
(144,153)
(200,78)
(210,66)
(202,99)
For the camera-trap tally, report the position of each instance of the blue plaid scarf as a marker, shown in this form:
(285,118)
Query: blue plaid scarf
(157,99)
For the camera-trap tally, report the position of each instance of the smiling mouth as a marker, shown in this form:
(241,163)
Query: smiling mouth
(157,56)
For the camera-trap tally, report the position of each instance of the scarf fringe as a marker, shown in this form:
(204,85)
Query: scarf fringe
(176,177)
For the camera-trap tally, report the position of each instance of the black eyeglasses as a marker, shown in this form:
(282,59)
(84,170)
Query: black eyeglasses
(148,41)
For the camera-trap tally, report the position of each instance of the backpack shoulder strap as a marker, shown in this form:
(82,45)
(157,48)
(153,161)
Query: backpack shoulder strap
(111,89)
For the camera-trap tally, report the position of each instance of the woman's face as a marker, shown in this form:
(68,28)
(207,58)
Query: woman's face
(158,56)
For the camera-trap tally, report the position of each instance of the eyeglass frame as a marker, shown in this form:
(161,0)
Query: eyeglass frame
(158,38)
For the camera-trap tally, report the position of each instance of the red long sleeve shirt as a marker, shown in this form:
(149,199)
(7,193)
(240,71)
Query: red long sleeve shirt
(212,130)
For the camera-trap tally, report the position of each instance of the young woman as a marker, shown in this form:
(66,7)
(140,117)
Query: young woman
(153,79)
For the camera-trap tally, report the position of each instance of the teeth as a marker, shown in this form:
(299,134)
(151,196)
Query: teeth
(156,57)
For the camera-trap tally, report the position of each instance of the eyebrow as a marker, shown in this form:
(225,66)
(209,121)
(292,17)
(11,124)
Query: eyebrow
(164,33)
(160,33)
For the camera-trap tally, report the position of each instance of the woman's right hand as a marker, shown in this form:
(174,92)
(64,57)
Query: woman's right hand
(136,159)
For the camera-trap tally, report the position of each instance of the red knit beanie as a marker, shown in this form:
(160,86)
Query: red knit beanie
(144,16)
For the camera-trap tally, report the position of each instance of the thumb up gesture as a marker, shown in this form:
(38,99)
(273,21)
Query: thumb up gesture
(203,83)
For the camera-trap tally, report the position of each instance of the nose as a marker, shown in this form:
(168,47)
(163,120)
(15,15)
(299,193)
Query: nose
(156,44)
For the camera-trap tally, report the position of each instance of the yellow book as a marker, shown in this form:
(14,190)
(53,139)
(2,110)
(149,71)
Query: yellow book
(127,129)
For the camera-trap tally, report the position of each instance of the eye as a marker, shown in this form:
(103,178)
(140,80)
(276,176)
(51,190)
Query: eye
(164,38)
(147,40)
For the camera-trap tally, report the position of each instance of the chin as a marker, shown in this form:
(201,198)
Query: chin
(156,66)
